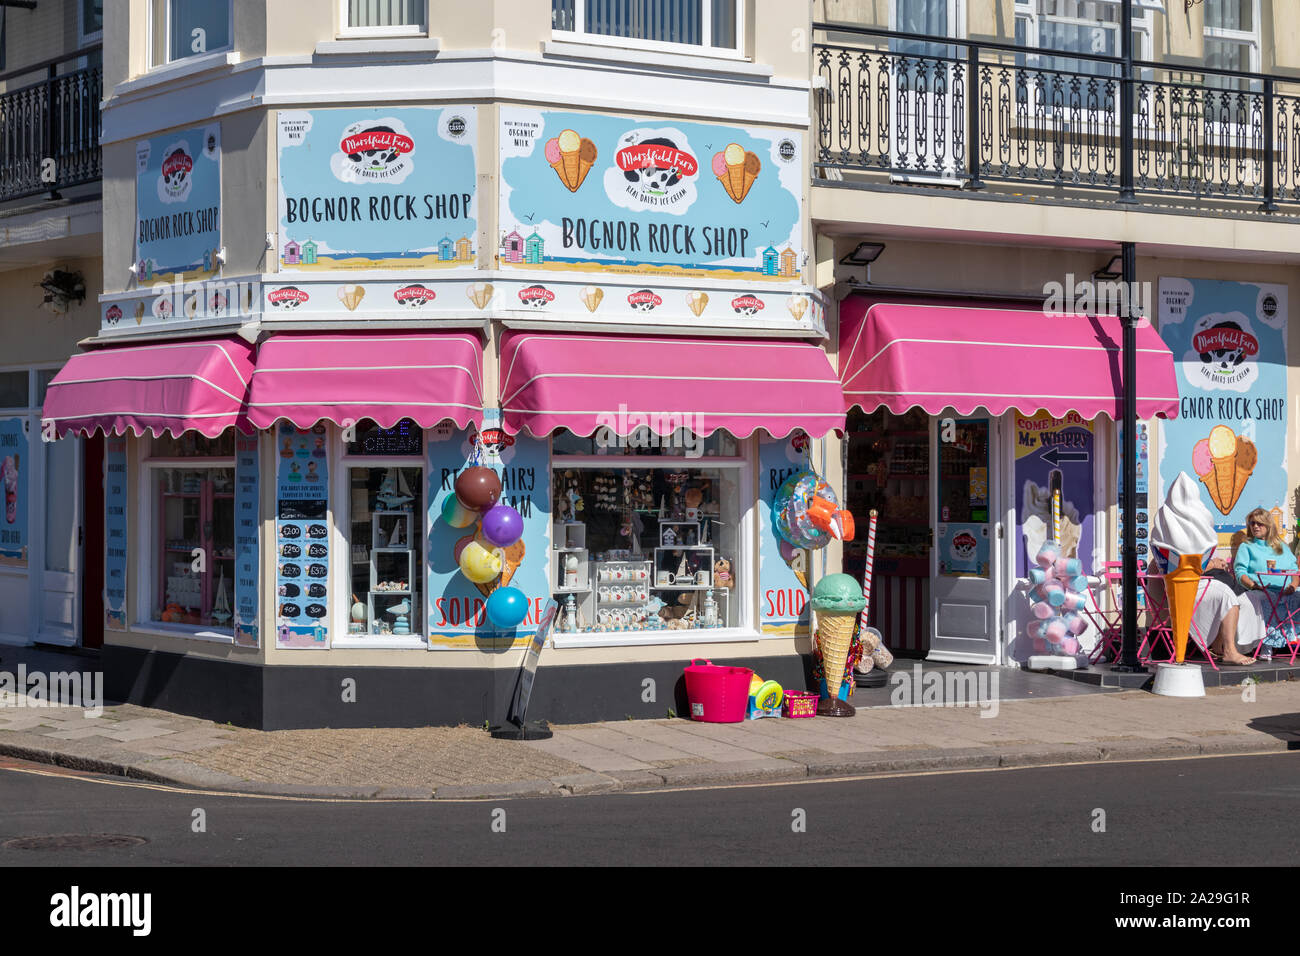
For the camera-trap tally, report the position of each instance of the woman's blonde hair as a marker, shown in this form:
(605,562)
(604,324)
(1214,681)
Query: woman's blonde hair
(1273,539)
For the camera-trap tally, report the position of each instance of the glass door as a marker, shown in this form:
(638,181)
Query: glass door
(60,596)
(965,612)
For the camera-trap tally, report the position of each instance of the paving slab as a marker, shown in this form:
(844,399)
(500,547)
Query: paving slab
(740,771)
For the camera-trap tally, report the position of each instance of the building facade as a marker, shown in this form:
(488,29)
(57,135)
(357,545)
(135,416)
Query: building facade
(642,264)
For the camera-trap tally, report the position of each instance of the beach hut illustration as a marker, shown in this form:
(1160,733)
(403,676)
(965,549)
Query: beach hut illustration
(292,253)
(309,253)
(464,249)
(512,247)
(446,250)
(207,260)
(533,247)
(789,262)
(770,261)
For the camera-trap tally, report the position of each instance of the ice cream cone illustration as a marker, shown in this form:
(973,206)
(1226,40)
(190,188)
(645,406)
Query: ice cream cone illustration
(697,301)
(591,296)
(1182,540)
(480,293)
(571,156)
(139,312)
(1224,463)
(736,169)
(838,601)
(351,296)
(797,305)
(1247,456)
(514,556)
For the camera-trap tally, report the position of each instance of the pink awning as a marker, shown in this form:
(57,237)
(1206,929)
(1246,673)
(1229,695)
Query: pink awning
(187,385)
(344,377)
(936,357)
(584,381)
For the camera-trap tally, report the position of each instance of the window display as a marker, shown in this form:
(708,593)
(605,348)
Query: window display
(194,540)
(645,549)
(888,469)
(387,570)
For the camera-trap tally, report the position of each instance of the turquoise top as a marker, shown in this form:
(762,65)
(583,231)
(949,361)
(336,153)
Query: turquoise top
(1253,557)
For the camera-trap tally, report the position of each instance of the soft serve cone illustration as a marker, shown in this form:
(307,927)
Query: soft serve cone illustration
(1182,541)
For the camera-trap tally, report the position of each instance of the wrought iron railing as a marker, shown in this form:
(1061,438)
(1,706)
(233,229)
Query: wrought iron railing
(914,107)
(49,128)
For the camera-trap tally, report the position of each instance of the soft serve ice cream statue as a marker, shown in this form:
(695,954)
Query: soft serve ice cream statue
(1182,541)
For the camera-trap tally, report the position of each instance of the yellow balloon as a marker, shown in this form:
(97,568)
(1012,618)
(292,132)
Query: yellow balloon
(479,564)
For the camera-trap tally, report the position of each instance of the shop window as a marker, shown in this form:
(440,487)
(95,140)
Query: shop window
(888,469)
(191,483)
(711,24)
(654,548)
(184,28)
(383,17)
(676,442)
(386,500)
(13,389)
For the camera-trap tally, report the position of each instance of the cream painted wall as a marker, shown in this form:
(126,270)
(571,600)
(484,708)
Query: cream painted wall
(865,13)
(33,336)
(1179,35)
(119,215)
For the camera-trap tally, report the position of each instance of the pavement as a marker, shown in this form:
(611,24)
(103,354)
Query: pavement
(1025,720)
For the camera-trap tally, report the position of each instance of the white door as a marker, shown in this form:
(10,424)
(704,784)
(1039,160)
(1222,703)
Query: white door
(60,594)
(963,483)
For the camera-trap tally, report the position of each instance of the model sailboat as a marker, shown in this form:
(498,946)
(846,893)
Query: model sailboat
(394,492)
(221,606)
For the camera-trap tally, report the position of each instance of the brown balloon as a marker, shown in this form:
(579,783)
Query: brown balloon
(478,488)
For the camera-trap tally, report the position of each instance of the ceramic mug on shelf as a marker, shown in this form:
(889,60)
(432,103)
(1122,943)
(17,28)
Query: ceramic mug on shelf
(665,578)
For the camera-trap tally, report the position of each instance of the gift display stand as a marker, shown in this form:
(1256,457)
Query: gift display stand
(570,538)
(389,565)
(622,589)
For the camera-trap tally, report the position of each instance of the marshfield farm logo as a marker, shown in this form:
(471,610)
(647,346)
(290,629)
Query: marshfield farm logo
(176,177)
(374,151)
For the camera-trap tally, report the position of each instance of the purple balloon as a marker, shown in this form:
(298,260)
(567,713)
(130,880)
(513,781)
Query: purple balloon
(502,525)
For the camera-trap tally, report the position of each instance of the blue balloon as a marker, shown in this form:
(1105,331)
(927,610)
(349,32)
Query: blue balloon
(507,607)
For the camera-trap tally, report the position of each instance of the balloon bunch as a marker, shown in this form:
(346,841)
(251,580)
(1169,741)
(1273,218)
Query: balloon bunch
(482,558)
(1058,591)
(806,513)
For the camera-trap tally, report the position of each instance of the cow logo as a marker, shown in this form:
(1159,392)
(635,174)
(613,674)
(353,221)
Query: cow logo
(643,300)
(747,305)
(287,298)
(1224,351)
(374,151)
(963,547)
(163,308)
(176,177)
(654,169)
(414,296)
(113,315)
(536,296)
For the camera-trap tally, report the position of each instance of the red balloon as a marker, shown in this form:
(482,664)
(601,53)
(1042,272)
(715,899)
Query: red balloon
(478,488)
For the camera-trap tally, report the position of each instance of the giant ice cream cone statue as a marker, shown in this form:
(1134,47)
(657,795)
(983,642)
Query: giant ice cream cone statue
(1182,541)
(838,601)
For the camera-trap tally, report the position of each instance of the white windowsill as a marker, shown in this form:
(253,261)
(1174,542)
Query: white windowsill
(350,641)
(365,45)
(728,635)
(190,66)
(189,633)
(696,62)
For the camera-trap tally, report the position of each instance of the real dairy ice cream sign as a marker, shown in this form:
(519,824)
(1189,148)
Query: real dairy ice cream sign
(589,191)
(1229,345)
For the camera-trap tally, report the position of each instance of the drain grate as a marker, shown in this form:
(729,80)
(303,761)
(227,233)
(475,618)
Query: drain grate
(75,841)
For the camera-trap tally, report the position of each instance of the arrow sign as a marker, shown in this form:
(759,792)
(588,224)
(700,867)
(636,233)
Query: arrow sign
(1055,456)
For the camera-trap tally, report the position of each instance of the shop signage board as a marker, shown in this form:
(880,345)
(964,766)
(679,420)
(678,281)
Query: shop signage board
(963,548)
(457,607)
(1051,454)
(1142,454)
(302,537)
(185,300)
(247,539)
(783,609)
(1229,345)
(15,463)
(178,204)
(627,197)
(115,532)
(378,188)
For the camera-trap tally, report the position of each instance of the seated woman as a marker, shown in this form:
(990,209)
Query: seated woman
(1261,558)
(1221,618)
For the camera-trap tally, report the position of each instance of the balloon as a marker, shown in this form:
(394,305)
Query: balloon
(502,525)
(478,488)
(456,514)
(479,564)
(507,607)
(806,513)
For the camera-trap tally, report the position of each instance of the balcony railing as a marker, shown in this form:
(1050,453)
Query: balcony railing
(49,125)
(914,107)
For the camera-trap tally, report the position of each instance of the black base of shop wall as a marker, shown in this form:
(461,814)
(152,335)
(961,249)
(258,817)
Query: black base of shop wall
(294,697)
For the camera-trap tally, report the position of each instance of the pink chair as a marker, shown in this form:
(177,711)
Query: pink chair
(1109,622)
(1160,629)
(1278,615)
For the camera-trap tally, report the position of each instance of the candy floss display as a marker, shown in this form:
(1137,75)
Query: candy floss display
(1058,592)
(1182,543)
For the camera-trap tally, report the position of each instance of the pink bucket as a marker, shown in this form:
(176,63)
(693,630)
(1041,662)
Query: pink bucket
(717,695)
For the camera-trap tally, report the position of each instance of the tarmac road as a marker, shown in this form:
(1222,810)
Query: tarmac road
(1156,813)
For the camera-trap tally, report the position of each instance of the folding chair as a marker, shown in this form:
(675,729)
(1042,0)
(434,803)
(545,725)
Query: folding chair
(1278,616)
(1161,625)
(1109,622)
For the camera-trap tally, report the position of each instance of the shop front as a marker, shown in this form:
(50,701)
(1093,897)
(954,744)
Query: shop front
(966,420)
